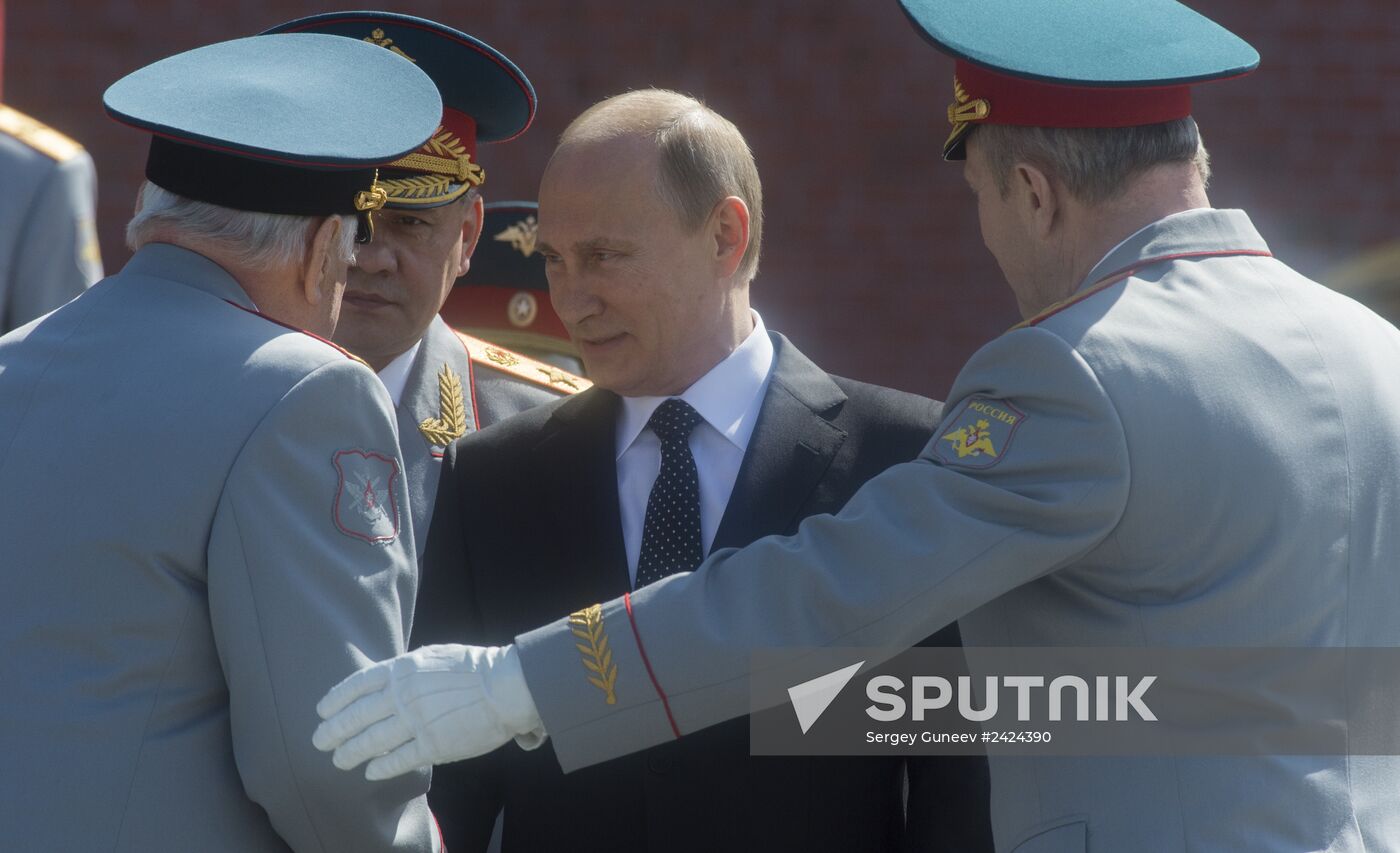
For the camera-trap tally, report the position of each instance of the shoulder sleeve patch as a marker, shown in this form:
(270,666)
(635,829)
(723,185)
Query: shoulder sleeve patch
(523,367)
(37,135)
(366,506)
(978,434)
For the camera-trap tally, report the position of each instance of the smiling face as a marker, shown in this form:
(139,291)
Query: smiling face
(644,298)
(401,278)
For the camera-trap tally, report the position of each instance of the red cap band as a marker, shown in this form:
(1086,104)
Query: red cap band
(487,307)
(1031,103)
(461,126)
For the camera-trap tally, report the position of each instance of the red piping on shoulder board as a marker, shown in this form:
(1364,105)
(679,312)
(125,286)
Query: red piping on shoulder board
(342,350)
(442,842)
(1113,278)
(471,380)
(665,703)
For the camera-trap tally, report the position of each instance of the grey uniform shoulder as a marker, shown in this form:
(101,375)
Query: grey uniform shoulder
(37,142)
(271,347)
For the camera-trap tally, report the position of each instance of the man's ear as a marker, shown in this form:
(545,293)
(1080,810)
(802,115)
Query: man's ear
(730,227)
(471,233)
(323,243)
(1040,200)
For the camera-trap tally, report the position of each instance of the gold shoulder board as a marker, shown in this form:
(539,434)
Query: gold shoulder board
(37,135)
(523,367)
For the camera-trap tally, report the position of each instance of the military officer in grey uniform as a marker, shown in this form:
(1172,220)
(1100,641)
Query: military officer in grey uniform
(48,244)
(444,383)
(1185,444)
(204,513)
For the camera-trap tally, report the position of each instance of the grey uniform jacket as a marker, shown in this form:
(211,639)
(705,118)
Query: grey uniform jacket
(1201,452)
(48,243)
(203,529)
(457,385)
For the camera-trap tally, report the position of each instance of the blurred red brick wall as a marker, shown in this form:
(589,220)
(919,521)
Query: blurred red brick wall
(873,263)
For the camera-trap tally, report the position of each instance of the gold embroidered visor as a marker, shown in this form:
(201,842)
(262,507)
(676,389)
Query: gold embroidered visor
(440,171)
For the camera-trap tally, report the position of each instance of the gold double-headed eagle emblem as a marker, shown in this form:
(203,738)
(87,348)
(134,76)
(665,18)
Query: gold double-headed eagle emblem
(972,440)
(377,36)
(521,235)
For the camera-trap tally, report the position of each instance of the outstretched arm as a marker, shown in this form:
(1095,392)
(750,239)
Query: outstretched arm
(1029,471)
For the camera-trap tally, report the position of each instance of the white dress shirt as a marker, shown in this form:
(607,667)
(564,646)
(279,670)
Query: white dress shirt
(728,398)
(395,373)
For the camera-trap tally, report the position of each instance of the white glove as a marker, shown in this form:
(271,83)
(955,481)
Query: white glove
(429,706)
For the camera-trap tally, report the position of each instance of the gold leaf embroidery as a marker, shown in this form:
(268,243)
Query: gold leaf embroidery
(445,143)
(587,625)
(451,422)
(417,187)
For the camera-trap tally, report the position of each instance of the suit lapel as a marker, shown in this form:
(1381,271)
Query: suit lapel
(792,446)
(428,400)
(580,445)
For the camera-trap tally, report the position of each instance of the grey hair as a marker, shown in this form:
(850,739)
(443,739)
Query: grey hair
(1095,164)
(255,240)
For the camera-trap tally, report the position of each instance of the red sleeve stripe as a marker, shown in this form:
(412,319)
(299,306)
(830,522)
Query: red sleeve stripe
(665,703)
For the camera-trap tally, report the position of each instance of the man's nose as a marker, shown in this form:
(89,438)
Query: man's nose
(573,298)
(375,257)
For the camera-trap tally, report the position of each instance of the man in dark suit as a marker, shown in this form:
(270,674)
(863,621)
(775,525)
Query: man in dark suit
(705,431)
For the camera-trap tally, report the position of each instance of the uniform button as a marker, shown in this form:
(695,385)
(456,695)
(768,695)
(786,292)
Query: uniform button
(659,764)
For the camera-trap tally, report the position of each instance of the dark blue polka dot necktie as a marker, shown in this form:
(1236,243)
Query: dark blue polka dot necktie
(671,530)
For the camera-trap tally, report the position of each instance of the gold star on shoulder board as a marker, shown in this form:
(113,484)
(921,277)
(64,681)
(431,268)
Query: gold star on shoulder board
(451,422)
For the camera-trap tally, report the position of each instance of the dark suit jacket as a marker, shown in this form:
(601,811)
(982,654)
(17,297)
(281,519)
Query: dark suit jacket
(527,529)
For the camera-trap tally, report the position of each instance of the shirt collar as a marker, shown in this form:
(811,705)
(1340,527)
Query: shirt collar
(724,397)
(395,373)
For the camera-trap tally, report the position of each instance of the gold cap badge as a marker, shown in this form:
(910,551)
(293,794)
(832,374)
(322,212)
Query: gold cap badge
(521,235)
(377,36)
(963,111)
(523,309)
